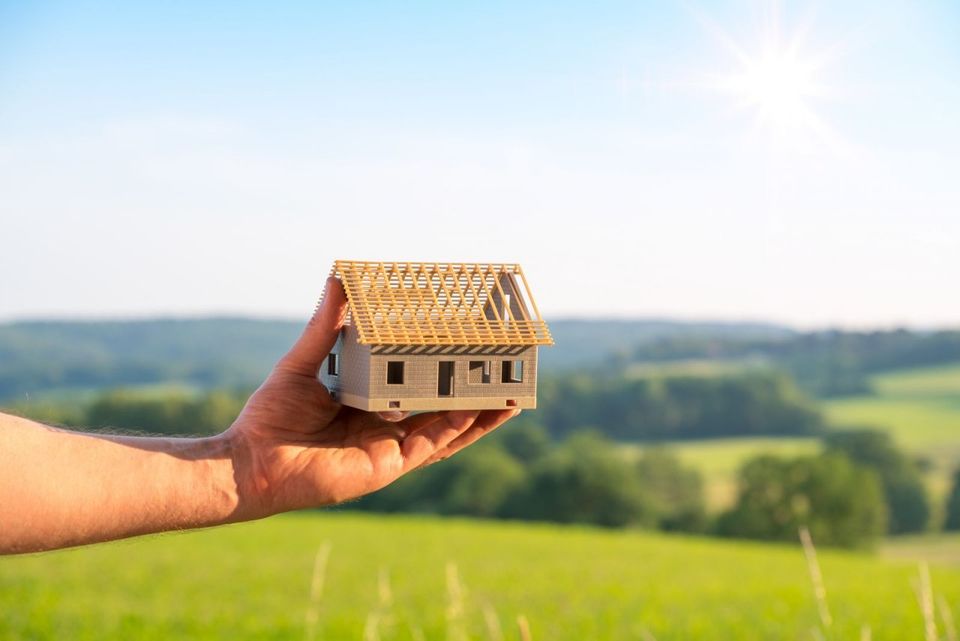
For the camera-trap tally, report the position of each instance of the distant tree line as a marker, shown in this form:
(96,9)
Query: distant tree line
(677,407)
(827,363)
(38,356)
(655,408)
(209,353)
(175,413)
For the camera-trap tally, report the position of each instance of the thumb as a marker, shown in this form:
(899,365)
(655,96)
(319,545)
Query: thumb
(307,354)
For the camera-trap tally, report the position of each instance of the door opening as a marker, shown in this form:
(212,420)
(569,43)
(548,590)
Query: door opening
(445,378)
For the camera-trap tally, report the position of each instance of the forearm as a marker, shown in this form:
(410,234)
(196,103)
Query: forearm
(61,488)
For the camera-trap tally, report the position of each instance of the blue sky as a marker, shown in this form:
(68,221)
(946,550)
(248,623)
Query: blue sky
(795,162)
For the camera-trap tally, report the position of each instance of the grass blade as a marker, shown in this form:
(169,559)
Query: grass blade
(816,578)
(925,596)
(455,604)
(524,627)
(947,617)
(316,589)
(494,630)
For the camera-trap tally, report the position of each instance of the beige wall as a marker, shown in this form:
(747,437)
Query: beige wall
(362,381)
(420,376)
(354,375)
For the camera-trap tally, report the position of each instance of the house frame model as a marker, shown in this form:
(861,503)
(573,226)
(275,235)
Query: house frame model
(435,336)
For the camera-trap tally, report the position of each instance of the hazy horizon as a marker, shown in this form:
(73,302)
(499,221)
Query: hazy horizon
(550,318)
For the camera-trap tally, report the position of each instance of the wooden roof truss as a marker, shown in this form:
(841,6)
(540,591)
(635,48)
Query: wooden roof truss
(441,304)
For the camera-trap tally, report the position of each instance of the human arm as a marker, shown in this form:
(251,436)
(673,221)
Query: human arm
(291,447)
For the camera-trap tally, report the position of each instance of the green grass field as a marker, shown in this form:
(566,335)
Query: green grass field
(389,578)
(920,407)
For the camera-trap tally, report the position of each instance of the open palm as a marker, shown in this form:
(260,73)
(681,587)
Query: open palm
(304,449)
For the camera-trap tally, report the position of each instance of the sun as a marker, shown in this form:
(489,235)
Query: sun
(779,82)
(779,86)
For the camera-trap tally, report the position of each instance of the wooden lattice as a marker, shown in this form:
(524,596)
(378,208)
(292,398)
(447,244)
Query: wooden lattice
(441,304)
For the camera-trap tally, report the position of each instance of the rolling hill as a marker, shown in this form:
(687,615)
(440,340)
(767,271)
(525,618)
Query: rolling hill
(42,357)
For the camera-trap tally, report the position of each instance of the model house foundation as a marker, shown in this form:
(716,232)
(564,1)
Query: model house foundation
(435,336)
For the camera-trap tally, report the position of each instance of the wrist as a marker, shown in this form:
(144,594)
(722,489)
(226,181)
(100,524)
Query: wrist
(247,479)
(204,478)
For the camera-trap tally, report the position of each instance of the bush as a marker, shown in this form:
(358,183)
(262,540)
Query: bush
(953,505)
(584,481)
(675,491)
(520,474)
(480,480)
(904,492)
(524,440)
(839,501)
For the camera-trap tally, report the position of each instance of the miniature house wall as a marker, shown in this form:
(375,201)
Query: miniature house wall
(424,336)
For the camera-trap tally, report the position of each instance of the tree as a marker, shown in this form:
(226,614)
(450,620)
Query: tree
(584,481)
(952,522)
(480,480)
(676,492)
(840,502)
(523,440)
(476,482)
(422,491)
(904,492)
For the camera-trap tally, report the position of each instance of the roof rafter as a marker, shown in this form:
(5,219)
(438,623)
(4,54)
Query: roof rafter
(413,303)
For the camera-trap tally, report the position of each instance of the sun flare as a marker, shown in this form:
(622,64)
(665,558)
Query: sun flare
(779,86)
(778,82)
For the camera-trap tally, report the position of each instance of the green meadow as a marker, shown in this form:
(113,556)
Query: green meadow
(342,575)
(425,578)
(920,407)
(718,460)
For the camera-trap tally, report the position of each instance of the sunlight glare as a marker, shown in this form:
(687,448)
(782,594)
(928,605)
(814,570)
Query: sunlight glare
(779,86)
(779,82)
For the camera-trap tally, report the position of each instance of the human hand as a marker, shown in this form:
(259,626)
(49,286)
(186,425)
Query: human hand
(295,447)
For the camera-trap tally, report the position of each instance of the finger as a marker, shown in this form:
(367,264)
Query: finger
(419,421)
(384,439)
(427,441)
(321,332)
(393,416)
(485,423)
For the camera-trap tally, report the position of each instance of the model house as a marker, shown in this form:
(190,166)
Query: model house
(427,336)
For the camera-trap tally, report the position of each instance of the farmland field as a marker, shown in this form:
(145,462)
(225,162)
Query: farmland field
(401,578)
(920,407)
(718,460)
